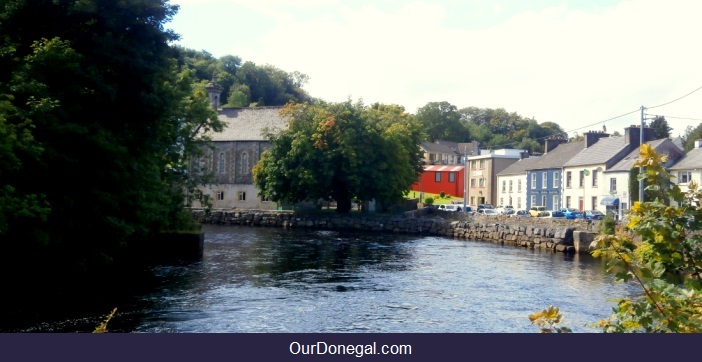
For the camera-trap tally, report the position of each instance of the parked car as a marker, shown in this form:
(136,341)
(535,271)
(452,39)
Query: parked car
(594,215)
(534,211)
(520,213)
(505,210)
(467,209)
(448,207)
(552,215)
(488,212)
(571,213)
(484,206)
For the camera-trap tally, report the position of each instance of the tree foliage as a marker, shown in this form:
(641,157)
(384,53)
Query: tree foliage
(342,151)
(441,121)
(660,128)
(245,84)
(96,124)
(667,261)
(691,135)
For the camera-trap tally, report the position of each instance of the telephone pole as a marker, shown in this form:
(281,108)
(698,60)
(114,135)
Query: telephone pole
(641,142)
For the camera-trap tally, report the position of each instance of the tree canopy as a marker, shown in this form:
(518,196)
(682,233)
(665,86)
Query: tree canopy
(660,128)
(96,124)
(441,121)
(342,151)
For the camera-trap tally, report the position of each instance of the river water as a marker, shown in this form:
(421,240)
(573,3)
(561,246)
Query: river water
(272,280)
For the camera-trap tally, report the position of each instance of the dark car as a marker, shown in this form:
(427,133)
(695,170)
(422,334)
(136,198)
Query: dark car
(594,215)
(571,213)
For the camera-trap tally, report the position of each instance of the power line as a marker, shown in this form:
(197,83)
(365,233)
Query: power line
(691,119)
(675,100)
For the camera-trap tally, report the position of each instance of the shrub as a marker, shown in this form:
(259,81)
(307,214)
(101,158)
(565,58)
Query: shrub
(442,194)
(607,226)
(429,201)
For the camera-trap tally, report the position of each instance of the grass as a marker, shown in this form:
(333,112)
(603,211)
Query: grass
(437,198)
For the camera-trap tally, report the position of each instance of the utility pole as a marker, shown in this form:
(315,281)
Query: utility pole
(465,176)
(641,142)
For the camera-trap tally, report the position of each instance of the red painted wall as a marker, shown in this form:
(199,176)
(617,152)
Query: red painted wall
(427,182)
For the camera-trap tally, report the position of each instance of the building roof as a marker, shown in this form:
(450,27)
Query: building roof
(248,124)
(447,147)
(558,157)
(601,152)
(627,162)
(691,161)
(519,167)
(448,168)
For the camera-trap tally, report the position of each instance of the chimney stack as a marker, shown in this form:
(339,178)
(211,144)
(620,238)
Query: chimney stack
(214,90)
(553,141)
(592,137)
(632,135)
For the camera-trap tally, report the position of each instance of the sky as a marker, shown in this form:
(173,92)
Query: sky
(579,64)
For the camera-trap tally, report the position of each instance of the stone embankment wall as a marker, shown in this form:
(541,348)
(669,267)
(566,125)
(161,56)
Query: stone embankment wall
(558,235)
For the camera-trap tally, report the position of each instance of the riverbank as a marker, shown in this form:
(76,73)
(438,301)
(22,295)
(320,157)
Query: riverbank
(558,235)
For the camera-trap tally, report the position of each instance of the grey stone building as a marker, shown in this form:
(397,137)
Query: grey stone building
(233,153)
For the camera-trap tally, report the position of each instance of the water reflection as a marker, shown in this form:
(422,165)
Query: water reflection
(278,280)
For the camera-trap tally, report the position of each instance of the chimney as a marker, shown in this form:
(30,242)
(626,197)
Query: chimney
(214,90)
(553,141)
(698,143)
(632,135)
(592,137)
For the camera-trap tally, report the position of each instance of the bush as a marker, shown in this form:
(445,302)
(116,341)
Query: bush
(442,194)
(429,201)
(608,225)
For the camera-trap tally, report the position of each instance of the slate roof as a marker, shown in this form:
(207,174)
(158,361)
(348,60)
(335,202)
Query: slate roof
(447,147)
(558,156)
(601,152)
(627,162)
(691,161)
(519,167)
(248,124)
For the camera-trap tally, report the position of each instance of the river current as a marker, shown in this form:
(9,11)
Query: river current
(274,280)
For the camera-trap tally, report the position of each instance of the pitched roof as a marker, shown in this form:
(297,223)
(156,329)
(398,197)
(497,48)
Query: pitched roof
(558,156)
(440,147)
(248,124)
(601,152)
(627,162)
(519,167)
(692,160)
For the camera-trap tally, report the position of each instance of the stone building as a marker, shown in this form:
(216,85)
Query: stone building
(233,153)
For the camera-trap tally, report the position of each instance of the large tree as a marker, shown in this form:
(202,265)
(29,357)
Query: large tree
(96,123)
(660,128)
(441,121)
(343,151)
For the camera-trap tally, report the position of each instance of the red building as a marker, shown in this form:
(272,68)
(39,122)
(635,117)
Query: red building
(438,178)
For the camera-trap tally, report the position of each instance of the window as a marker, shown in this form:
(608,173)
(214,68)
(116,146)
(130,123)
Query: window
(519,185)
(594,178)
(452,177)
(533,200)
(612,184)
(510,185)
(555,202)
(482,182)
(221,163)
(582,179)
(556,182)
(472,182)
(567,201)
(684,177)
(198,195)
(504,186)
(244,163)
(472,200)
(474,164)
(533,180)
(198,166)
(242,195)
(437,176)
(502,201)
(544,180)
(594,202)
(482,163)
(568,179)
(543,200)
(519,202)
(220,195)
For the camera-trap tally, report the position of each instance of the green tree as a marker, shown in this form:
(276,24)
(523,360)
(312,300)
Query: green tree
(691,135)
(334,150)
(97,123)
(441,121)
(660,128)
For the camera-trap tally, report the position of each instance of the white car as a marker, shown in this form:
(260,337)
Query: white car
(489,212)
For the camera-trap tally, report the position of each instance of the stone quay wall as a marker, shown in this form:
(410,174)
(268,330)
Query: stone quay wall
(558,235)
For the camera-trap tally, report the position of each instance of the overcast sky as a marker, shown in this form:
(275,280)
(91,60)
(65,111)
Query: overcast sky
(575,63)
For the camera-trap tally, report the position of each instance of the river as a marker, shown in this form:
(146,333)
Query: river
(272,280)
